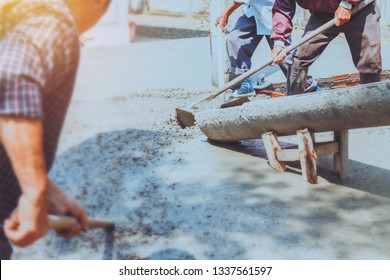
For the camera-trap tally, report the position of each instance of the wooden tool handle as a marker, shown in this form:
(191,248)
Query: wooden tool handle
(65,222)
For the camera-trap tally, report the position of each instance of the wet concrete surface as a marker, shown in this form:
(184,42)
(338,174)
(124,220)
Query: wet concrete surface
(174,195)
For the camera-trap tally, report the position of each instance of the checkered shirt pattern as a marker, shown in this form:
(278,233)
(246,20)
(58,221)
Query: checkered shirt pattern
(39,55)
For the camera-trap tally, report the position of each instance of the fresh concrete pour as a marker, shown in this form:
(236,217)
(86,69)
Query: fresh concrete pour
(174,195)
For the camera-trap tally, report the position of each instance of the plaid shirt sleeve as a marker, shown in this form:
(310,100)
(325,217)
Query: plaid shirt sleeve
(29,60)
(20,79)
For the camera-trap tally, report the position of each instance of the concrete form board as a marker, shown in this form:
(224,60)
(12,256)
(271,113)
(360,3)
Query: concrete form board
(349,108)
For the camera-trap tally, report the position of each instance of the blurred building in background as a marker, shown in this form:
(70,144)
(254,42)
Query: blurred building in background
(112,29)
(186,8)
(127,20)
(200,8)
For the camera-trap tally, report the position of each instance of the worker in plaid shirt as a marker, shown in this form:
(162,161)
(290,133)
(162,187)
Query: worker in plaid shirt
(39,54)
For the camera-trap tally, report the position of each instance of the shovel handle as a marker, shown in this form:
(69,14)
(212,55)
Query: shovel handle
(287,50)
(65,222)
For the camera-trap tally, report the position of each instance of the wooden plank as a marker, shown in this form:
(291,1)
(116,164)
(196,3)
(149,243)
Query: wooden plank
(321,149)
(287,155)
(272,145)
(340,159)
(307,156)
(326,148)
(235,102)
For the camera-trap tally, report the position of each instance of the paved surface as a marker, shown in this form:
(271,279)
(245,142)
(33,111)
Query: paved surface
(184,63)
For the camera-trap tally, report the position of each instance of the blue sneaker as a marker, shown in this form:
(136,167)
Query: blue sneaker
(318,88)
(312,85)
(246,89)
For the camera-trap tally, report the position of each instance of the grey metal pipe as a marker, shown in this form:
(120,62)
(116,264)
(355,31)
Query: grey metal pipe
(334,110)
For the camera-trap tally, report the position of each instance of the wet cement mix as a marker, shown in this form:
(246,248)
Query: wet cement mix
(174,195)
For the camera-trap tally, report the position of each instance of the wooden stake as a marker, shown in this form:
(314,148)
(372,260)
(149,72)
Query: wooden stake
(307,156)
(272,145)
(341,157)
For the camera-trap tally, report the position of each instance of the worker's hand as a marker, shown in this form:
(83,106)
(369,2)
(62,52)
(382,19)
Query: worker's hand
(29,222)
(61,204)
(222,21)
(277,55)
(342,15)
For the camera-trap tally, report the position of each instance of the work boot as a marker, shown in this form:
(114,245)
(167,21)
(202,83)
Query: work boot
(369,78)
(296,80)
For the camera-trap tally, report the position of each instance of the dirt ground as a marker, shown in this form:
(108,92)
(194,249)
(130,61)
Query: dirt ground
(174,195)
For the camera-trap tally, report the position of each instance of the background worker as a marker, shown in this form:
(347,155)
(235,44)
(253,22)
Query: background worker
(362,33)
(242,41)
(39,54)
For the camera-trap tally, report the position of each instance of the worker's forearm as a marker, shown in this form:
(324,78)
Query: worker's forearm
(22,139)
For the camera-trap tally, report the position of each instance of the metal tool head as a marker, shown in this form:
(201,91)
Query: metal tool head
(185,118)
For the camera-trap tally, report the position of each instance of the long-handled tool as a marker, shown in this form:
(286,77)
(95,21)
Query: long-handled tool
(65,222)
(58,222)
(185,116)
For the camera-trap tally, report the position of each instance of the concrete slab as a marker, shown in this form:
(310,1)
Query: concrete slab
(182,63)
(121,70)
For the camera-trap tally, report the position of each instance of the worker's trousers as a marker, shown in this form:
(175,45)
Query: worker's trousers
(5,246)
(363,36)
(241,44)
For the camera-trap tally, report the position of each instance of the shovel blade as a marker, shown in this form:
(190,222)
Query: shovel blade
(185,118)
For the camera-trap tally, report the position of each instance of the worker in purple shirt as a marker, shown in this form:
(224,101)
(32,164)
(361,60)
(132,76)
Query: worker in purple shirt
(241,43)
(362,32)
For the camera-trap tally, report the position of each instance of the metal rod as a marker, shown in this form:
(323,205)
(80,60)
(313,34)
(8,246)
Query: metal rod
(65,222)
